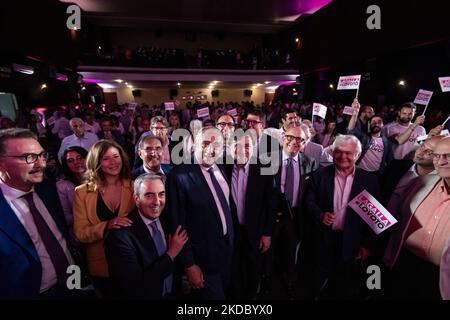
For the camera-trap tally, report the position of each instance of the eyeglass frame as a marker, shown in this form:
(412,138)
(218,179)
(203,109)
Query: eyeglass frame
(227,124)
(44,154)
(437,156)
(289,138)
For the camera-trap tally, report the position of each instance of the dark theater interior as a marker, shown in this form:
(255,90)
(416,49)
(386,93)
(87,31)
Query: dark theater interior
(255,152)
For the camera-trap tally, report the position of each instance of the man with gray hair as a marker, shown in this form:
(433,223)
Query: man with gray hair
(158,127)
(79,138)
(344,236)
(140,257)
(150,150)
(199,200)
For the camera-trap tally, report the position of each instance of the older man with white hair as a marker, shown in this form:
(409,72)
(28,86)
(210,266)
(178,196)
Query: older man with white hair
(79,138)
(344,236)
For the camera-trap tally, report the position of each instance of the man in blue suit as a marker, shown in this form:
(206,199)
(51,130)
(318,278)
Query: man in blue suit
(199,201)
(34,252)
(150,150)
(342,236)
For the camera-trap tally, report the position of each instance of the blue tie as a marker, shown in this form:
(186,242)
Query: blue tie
(161,248)
(224,204)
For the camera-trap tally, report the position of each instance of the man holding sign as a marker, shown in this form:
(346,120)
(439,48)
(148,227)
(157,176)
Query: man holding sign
(344,236)
(404,133)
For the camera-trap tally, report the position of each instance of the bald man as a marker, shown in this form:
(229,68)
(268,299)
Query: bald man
(418,240)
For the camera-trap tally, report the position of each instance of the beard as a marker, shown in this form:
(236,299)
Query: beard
(404,120)
(375,129)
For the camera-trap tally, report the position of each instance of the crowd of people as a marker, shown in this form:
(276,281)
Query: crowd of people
(156,57)
(156,204)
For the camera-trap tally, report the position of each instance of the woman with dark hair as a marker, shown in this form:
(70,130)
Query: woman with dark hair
(328,135)
(101,204)
(73,163)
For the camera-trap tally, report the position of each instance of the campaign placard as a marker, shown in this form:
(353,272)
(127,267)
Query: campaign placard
(372,212)
(423,97)
(348,110)
(319,110)
(203,112)
(169,105)
(349,82)
(445,83)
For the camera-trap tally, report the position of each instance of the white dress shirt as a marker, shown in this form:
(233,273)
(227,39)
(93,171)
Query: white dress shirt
(22,211)
(86,142)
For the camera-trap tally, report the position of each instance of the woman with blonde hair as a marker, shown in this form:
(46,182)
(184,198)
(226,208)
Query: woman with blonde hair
(101,204)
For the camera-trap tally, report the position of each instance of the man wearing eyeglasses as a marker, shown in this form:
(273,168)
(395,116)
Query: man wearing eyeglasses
(399,174)
(417,242)
(225,123)
(150,150)
(34,252)
(265,145)
(291,178)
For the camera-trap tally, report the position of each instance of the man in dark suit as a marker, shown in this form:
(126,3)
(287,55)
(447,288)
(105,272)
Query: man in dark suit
(140,258)
(199,201)
(34,251)
(253,201)
(150,150)
(294,172)
(342,236)
(107,132)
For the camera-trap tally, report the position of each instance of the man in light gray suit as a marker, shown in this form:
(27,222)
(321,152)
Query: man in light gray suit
(315,151)
(417,241)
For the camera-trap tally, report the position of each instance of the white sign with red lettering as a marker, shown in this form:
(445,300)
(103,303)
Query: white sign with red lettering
(319,110)
(349,82)
(169,105)
(372,212)
(348,110)
(203,112)
(423,97)
(232,112)
(51,121)
(445,83)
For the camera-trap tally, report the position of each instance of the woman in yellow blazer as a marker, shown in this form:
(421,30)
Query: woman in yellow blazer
(101,204)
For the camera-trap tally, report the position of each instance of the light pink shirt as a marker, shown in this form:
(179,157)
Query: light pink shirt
(342,189)
(401,150)
(372,158)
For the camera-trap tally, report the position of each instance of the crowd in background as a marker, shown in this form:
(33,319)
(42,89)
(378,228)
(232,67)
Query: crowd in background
(300,230)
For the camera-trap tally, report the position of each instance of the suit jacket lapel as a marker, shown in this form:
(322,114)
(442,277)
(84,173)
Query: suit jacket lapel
(11,225)
(197,177)
(143,233)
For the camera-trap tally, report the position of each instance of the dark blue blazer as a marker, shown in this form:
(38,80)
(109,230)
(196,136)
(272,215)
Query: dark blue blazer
(20,267)
(191,204)
(166,168)
(319,199)
(135,267)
